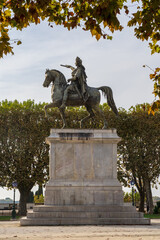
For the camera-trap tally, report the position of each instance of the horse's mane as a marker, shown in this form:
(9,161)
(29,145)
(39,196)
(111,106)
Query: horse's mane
(62,78)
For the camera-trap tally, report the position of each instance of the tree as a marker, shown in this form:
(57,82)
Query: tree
(31,197)
(147,24)
(146,20)
(128,197)
(39,191)
(23,151)
(89,15)
(93,16)
(139,149)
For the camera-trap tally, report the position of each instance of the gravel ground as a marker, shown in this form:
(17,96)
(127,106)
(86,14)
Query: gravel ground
(13,231)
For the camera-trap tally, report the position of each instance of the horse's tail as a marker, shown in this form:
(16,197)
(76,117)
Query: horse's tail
(107,92)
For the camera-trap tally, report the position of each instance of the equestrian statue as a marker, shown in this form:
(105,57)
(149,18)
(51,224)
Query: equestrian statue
(78,93)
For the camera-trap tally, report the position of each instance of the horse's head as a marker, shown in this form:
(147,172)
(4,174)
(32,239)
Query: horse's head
(48,78)
(56,77)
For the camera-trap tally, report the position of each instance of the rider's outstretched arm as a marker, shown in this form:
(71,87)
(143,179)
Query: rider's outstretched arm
(68,66)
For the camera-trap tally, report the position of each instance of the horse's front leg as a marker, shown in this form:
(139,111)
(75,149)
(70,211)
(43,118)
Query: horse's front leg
(91,115)
(62,112)
(46,107)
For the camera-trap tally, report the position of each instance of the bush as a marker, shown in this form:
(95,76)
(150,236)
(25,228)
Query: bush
(39,199)
(157,208)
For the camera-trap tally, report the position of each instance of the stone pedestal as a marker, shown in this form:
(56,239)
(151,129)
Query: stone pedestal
(83,186)
(83,168)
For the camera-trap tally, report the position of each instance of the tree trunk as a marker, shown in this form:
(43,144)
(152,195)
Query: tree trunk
(140,187)
(149,196)
(141,204)
(23,202)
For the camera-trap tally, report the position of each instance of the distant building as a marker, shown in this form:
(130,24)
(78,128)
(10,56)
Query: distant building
(6,200)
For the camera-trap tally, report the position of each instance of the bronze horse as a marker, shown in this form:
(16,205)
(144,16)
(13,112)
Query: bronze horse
(59,84)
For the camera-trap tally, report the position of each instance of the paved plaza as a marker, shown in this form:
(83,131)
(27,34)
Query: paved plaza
(11,230)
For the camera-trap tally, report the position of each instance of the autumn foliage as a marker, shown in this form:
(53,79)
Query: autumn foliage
(156,79)
(89,15)
(101,18)
(147,22)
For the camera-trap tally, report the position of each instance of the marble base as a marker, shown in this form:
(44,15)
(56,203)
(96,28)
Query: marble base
(83,168)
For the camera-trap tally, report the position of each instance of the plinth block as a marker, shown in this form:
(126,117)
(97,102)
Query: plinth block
(83,168)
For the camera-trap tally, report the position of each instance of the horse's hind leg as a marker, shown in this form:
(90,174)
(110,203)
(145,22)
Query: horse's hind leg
(62,112)
(101,113)
(91,115)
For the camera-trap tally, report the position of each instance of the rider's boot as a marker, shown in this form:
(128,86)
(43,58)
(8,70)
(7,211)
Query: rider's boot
(64,100)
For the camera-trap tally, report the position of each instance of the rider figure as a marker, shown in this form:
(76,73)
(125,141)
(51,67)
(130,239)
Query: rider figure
(78,82)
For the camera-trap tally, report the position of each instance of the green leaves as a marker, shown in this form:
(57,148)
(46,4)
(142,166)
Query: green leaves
(91,15)
(147,21)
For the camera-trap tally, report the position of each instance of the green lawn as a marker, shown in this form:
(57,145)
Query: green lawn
(7,218)
(152,216)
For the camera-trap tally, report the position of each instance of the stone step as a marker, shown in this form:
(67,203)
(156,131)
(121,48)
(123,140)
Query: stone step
(83,221)
(84,214)
(84,208)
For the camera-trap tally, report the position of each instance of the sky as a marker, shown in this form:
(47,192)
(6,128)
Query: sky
(117,63)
